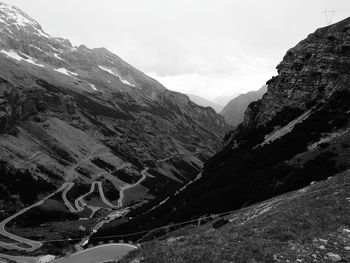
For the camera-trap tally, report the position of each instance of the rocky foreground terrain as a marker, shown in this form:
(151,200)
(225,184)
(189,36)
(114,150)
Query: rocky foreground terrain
(307,225)
(86,118)
(297,134)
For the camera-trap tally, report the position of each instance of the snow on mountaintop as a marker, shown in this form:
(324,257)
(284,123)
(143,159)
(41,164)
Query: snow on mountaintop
(22,39)
(16,16)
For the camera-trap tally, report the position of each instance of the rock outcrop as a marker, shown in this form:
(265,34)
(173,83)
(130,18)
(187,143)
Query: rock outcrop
(298,133)
(61,107)
(309,73)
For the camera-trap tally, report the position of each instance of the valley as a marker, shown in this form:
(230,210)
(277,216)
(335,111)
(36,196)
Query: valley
(100,162)
(87,212)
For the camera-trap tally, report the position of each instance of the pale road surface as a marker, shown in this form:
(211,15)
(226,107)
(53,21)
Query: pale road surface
(122,189)
(81,198)
(103,197)
(98,254)
(31,243)
(66,201)
(120,248)
(19,259)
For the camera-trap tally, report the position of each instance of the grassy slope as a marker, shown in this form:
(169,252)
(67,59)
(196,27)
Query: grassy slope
(302,225)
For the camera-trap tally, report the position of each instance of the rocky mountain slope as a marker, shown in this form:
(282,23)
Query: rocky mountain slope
(233,112)
(205,103)
(297,133)
(308,225)
(82,115)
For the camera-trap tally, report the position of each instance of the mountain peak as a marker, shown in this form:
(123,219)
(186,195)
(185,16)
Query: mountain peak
(12,15)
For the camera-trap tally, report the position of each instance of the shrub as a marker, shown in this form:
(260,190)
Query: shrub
(219,223)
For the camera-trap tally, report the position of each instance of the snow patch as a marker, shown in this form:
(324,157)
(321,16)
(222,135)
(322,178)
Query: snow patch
(126,82)
(66,72)
(58,57)
(37,48)
(93,87)
(55,49)
(113,72)
(16,16)
(12,54)
(32,61)
(17,57)
(110,71)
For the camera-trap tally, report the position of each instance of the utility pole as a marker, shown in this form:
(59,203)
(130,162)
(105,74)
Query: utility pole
(329,15)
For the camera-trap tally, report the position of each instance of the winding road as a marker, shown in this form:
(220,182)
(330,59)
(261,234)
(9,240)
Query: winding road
(33,245)
(79,202)
(113,251)
(122,189)
(103,197)
(66,201)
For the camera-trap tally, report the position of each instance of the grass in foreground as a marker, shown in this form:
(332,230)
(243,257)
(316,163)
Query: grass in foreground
(309,225)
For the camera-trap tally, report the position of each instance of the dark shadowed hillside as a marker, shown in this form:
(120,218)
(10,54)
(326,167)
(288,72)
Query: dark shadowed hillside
(296,134)
(87,118)
(308,225)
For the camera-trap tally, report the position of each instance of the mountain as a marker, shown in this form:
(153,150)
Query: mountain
(86,118)
(223,100)
(204,102)
(233,112)
(298,133)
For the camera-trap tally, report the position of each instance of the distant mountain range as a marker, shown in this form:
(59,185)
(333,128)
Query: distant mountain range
(233,112)
(297,134)
(223,100)
(205,103)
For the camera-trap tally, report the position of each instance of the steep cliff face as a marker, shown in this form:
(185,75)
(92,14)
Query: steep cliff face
(309,73)
(64,107)
(297,133)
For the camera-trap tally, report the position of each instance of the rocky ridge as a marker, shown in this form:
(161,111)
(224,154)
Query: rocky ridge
(83,115)
(296,134)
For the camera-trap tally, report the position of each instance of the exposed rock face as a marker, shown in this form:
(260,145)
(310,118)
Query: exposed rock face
(233,112)
(296,134)
(309,73)
(62,106)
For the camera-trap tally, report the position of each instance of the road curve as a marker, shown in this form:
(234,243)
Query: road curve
(18,259)
(102,253)
(122,189)
(81,198)
(31,243)
(103,197)
(66,201)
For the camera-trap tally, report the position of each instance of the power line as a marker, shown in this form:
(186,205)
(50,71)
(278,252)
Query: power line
(329,15)
(172,225)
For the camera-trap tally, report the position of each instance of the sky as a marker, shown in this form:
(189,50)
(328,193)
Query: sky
(208,48)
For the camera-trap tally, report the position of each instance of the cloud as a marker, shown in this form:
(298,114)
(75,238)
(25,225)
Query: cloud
(205,47)
(212,86)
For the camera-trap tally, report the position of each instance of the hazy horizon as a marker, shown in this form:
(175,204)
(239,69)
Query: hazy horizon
(205,48)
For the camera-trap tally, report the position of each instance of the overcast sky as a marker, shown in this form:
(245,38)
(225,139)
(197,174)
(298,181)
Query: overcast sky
(204,47)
